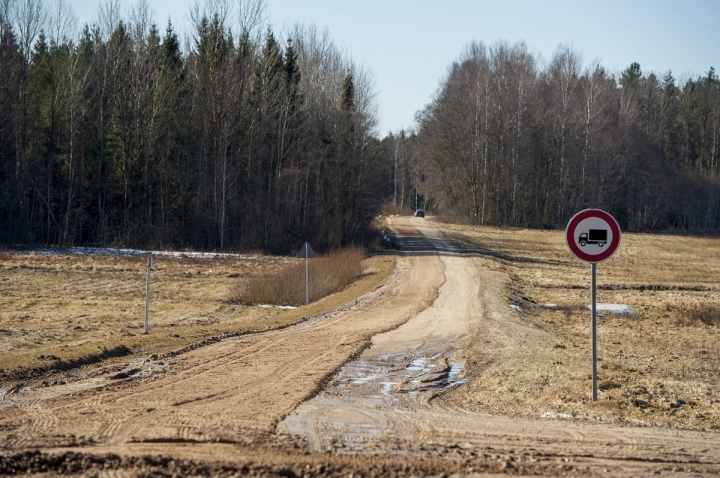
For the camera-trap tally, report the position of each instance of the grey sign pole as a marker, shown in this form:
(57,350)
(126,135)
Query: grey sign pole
(593,332)
(307,253)
(307,282)
(147,293)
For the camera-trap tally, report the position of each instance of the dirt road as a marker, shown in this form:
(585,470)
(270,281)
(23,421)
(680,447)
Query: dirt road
(370,388)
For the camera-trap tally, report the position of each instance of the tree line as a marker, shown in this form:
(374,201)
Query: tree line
(119,135)
(509,141)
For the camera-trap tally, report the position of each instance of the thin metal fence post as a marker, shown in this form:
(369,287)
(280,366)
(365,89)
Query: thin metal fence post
(307,281)
(147,293)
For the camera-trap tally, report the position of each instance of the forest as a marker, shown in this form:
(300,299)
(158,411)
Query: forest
(242,138)
(238,140)
(511,141)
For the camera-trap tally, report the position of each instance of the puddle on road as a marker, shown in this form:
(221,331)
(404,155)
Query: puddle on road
(358,406)
(385,374)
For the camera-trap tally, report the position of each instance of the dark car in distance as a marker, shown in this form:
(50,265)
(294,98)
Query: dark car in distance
(420,213)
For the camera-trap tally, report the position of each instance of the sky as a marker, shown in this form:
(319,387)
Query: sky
(408,45)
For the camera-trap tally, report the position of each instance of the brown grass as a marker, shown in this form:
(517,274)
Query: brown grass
(707,314)
(68,309)
(327,274)
(660,367)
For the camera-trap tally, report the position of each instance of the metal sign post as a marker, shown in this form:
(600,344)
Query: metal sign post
(307,253)
(593,331)
(147,292)
(593,236)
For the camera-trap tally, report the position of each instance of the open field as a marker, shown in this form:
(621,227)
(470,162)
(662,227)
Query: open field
(60,310)
(661,367)
(423,370)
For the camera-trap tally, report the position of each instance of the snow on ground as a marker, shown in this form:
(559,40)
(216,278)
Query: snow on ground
(619,309)
(107,251)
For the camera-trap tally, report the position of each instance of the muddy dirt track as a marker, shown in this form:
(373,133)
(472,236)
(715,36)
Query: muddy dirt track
(366,390)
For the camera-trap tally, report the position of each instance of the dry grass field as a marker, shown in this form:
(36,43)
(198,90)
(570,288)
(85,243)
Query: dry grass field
(661,367)
(65,311)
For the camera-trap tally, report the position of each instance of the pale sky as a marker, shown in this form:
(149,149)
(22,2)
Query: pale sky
(409,44)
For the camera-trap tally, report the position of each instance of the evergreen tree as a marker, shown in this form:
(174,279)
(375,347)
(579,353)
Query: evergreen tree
(347,102)
(170,49)
(631,76)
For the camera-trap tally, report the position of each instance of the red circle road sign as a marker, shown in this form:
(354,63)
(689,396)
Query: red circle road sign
(592,235)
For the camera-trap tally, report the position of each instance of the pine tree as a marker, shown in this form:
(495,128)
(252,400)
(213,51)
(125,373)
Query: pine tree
(631,76)
(347,102)
(170,49)
(291,73)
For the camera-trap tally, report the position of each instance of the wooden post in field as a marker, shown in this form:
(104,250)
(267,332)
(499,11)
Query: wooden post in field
(147,292)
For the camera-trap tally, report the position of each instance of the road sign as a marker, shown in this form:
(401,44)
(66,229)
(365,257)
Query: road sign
(306,252)
(592,235)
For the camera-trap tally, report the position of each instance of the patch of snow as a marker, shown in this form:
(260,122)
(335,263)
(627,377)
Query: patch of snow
(417,365)
(107,251)
(270,306)
(455,368)
(564,416)
(549,306)
(619,309)
(515,308)
(386,387)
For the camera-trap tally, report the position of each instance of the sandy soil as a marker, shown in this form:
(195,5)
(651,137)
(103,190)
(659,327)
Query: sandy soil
(379,387)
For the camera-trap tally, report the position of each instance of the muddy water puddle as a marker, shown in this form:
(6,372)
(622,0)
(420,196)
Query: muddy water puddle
(364,404)
(386,375)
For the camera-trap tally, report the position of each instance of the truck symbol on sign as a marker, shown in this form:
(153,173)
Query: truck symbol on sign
(593,236)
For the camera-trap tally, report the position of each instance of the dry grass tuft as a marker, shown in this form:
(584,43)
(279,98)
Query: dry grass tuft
(328,274)
(707,314)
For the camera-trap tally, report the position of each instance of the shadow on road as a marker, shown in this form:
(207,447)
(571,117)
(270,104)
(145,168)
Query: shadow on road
(416,244)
